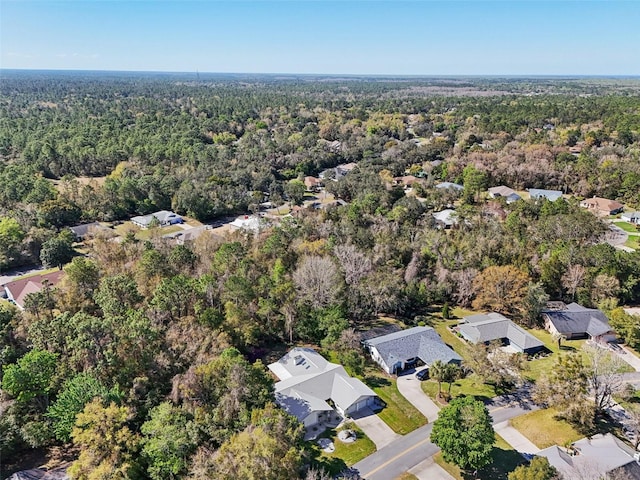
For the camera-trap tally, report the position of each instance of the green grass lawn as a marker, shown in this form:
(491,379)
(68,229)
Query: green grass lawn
(627,227)
(471,385)
(544,430)
(399,414)
(633,242)
(345,454)
(504,460)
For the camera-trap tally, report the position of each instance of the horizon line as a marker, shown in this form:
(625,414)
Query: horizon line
(354,75)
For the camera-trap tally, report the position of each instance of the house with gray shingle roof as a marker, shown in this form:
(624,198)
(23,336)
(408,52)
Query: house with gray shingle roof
(308,382)
(540,194)
(504,192)
(395,351)
(575,321)
(485,328)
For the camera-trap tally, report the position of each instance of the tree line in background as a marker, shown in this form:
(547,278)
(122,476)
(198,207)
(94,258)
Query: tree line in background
(145,343)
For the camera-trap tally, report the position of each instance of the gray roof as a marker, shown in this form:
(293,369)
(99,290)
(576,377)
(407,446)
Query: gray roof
(598,455)
(421,342)
(576,319)
(308,380)
(81,230)
(448,217)
(455,186)
(551,195)
(163,217)
(494,326)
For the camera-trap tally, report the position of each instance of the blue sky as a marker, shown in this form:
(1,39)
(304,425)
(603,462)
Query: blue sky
(425,37)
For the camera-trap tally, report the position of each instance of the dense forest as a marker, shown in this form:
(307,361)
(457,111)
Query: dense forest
(158,348)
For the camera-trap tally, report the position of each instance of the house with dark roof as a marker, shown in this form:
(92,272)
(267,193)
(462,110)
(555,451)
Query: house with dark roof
(574,321)
(540,194)
(504,192)
(18,290)
(486,328)
(395,351)
(313,389)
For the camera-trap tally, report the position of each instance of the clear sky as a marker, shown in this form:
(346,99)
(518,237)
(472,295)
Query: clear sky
(509,37)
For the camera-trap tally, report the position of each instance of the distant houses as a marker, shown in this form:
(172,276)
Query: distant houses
(540,194)
(313,184)
(248,223)
(81,232)
(486,328)
(602,206)
(396,351)
(504,192)
(453,186)
(446,218)
(338,172)
(161,218)
(17,290)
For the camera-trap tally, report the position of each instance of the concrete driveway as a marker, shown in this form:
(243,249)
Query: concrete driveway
(514,438)
(430,470)
(372,425)
(410,388)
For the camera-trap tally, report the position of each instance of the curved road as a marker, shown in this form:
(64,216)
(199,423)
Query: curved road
(410,450)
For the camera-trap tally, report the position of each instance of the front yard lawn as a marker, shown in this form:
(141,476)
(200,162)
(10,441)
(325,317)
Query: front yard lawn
(345,454)
(504,460)
(544,430)
(399,414)
(627,227)
(406,476)
(470,385)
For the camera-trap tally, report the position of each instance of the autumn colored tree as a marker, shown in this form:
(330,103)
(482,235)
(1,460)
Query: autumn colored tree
(108,446)
(501,289)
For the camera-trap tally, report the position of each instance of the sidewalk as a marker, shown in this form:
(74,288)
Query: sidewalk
(514,438)
(410,388)
(430,470)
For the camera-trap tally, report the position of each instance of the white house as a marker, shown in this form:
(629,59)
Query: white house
(163,217)
(308,383)
(631,217)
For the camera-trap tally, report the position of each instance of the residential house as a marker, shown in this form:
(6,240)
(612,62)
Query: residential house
(396,351)
(602,206)
(539,194)
(81,231)
(454,186)
(17,290)
(407,181)
(485,328)
(163,218)
(308,383)
(184,237)
(446,218)
(345,168)
(313,184)
(248,223)
(575,321)
(631,217)
(504,192)
(600,456)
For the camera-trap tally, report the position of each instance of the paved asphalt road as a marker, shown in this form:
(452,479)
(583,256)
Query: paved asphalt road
(415,447)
